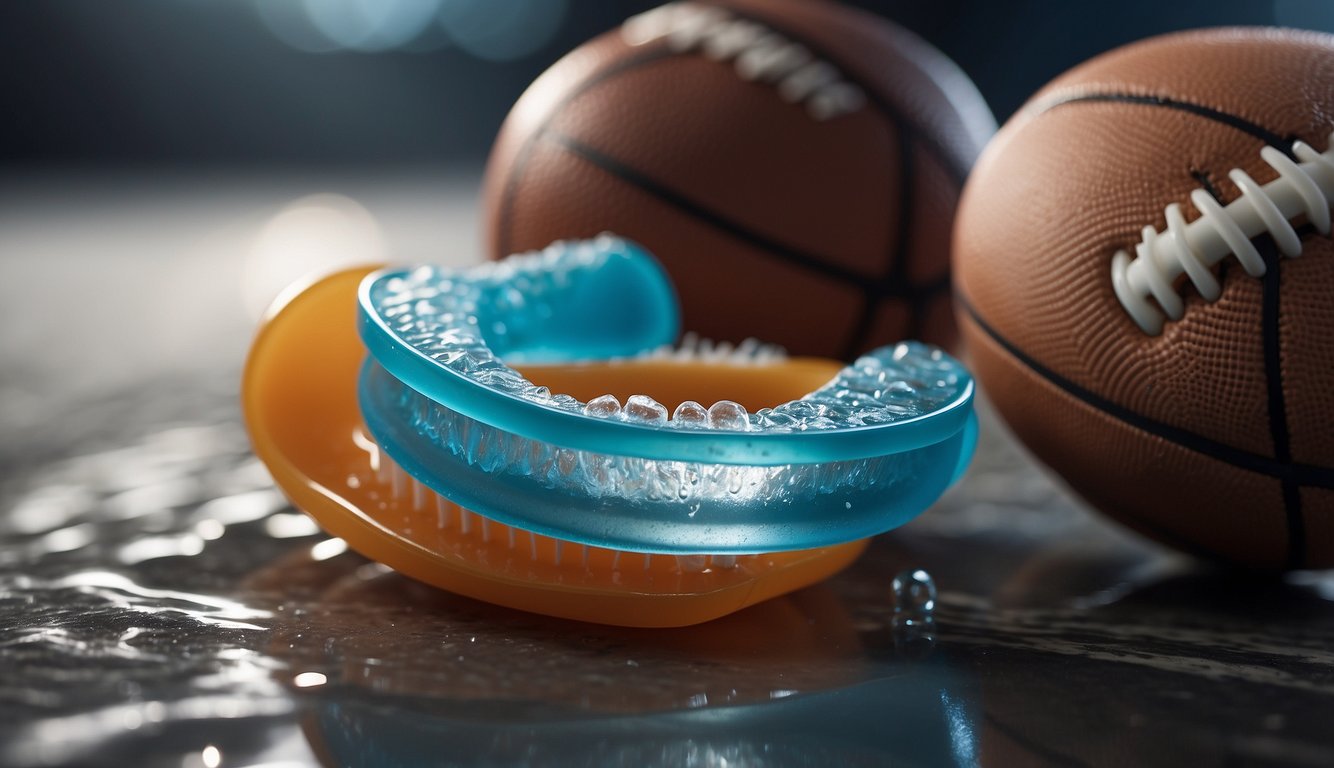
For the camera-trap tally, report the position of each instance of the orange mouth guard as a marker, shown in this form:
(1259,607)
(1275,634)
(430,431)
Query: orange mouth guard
(385,405)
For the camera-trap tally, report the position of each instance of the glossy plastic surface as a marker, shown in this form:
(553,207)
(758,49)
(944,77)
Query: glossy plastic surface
(300,403)
(442,333)
(843,455)
(653,505)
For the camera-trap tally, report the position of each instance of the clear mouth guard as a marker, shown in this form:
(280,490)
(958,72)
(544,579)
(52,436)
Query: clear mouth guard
(861,454)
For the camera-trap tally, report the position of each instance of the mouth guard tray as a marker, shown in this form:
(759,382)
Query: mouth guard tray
(757,503)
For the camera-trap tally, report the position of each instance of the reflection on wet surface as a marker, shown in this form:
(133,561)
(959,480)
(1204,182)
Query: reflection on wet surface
(161,605)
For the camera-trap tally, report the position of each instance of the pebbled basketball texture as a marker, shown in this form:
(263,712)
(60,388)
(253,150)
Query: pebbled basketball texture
(807,201)
(1216,436)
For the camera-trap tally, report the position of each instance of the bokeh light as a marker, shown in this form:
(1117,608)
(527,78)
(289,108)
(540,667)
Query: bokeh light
(371,25)
(501,30)
(290,22)
(311,236)
(494,30)
(1305,14)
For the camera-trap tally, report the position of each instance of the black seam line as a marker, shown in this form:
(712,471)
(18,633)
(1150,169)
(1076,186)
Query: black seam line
(862,325)
(957,169)
(1278,412)
(1246,126)
(1303,474)
(1277,401)
(898,268)
(525,152)
(932,288)
(898,241)
(1204,180)
(881,289)
(794,256)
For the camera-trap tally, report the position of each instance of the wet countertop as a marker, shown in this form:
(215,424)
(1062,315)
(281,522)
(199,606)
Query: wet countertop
(160,604)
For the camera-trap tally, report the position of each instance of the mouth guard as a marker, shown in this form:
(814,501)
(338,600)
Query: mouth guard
(863,453)
(433,456)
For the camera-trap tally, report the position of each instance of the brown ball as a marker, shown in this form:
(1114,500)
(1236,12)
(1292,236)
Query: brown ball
(1216,434)
(795,165)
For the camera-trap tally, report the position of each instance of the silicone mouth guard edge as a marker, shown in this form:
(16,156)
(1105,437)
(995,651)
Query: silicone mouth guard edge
(862,454)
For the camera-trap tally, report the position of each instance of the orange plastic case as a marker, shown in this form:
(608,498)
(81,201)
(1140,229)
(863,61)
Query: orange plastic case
(299,396)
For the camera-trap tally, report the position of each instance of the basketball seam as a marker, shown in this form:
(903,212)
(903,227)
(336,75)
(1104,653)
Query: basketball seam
(1277,405)
(908,131)
(1278,412)
(958,169)
(873,296)
(879,289)
(789,254)
(1274,140)
(1145,524)
(1304,474)
(928,290)
(900,241)
(524,153)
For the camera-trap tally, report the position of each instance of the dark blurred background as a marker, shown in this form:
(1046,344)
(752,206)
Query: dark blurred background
(300,83)
(168,166)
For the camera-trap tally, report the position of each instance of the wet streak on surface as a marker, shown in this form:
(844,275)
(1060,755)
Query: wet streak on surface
(158,598)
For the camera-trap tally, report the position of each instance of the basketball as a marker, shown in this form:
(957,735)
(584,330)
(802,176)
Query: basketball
(1145,285)
(795,165)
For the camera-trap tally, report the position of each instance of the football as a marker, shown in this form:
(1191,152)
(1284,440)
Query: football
(1145,284)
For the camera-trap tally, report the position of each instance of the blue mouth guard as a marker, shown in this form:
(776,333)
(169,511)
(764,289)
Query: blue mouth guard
(864,453)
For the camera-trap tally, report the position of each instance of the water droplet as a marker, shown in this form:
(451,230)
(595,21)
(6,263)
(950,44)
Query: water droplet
(914,592)
(913,626)
(914,635)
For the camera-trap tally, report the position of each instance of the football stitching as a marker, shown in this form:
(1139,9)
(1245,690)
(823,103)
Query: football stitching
(919,295)
(1292,475)
(1189,249)
(757,51)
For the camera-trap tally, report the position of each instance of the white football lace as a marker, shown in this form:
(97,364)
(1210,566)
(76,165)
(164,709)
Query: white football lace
(1302,188)
(757,52)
